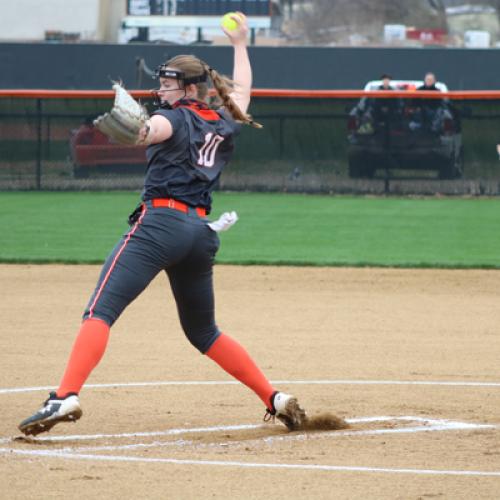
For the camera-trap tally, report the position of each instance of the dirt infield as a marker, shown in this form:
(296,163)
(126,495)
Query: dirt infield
(410,358)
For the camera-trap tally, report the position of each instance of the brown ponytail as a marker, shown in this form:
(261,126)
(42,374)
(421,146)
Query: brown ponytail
(223,87)
(192,66)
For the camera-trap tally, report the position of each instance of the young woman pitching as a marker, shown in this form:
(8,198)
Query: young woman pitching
(189,144)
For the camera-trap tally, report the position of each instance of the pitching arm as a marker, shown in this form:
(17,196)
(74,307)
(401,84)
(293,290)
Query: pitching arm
(242,71)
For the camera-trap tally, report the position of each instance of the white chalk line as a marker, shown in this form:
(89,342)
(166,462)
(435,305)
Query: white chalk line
(169,432)
(443,383)
(427,425)
(255,465)
(449,424)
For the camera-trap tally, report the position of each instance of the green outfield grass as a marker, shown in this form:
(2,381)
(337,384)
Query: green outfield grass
(273,229)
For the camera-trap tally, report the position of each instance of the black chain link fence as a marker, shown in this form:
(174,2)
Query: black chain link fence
(317,145)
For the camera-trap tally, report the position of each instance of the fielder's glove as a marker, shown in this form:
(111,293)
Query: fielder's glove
(125,120)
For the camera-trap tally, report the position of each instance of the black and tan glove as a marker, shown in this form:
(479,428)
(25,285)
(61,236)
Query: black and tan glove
(125,120)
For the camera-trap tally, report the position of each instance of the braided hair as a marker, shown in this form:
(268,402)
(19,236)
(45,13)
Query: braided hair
(191,66)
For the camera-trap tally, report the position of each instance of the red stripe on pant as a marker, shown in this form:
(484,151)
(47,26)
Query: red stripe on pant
(115,260)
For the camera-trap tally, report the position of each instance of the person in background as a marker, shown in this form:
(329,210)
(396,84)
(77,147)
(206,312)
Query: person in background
(429,85)
(427,110)
(386,82)
(384,110)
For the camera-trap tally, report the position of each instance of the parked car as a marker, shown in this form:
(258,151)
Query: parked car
(92,153)
(404,134)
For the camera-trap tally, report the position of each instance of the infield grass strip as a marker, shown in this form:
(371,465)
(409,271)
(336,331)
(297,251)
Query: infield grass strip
(273,229)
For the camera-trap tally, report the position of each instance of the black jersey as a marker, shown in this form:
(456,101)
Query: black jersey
(187,166)
(432,104)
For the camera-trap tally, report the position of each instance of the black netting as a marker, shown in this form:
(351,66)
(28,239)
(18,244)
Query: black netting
(310,145)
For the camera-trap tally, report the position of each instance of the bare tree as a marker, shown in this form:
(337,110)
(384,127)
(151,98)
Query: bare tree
(488,3)
(321,21)
(324,21)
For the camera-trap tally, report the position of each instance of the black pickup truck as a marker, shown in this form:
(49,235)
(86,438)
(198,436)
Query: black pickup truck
(404,134)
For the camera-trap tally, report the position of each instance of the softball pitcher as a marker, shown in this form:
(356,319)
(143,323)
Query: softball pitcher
(189,144)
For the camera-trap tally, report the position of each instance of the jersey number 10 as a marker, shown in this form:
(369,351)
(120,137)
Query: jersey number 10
(206,157)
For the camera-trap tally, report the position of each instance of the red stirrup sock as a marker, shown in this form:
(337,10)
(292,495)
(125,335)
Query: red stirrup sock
(235,360)
(87,351)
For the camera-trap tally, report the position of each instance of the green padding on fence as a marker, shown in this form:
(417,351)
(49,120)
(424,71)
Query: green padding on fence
(273,229)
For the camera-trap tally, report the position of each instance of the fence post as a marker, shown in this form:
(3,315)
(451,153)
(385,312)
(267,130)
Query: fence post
(252,36)
(39,144)
(281,142)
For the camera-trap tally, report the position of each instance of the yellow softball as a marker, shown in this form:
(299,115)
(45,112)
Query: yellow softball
(228,22)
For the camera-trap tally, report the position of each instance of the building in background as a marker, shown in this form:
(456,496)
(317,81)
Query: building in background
(197,7)
(123,21)
(272,22)
(190,21)
(61,20)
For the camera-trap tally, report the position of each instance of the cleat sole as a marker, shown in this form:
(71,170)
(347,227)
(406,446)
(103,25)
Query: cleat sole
(35,428)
